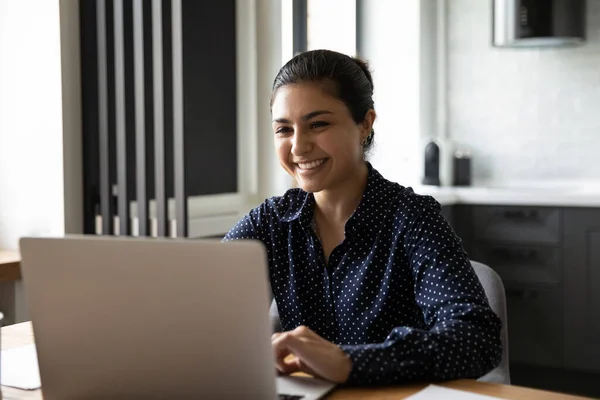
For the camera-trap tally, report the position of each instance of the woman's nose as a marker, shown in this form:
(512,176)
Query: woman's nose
(301,144)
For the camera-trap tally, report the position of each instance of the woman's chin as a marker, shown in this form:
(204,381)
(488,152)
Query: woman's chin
(309,185)
(310,188)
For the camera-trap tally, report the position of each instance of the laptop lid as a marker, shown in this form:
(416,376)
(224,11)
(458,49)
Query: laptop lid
(153,318)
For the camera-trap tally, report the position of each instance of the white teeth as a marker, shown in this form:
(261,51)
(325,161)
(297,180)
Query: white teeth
(311,165)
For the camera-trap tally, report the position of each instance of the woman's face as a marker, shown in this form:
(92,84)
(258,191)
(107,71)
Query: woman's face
(317,141)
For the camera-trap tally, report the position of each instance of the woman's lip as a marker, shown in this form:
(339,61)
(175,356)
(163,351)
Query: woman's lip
(305,166)
(311,170)
(308,162)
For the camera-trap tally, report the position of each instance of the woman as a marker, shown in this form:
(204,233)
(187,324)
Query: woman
(371,283)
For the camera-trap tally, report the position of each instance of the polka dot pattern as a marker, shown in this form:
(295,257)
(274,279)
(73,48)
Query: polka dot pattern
(398,295)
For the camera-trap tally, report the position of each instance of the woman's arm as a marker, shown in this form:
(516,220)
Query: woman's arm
(463,335)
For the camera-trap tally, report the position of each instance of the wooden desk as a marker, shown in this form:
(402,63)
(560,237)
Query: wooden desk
(22,335)
(10,269)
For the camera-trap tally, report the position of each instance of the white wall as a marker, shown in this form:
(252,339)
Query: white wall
(398,41)
(526,114)
(40,123)
(31,129)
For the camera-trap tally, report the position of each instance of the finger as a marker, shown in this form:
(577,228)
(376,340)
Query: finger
(312,351)
(280,359)
(281,351)
(306,332)
(295,364)
(283,347)
(291,365)
(292,343)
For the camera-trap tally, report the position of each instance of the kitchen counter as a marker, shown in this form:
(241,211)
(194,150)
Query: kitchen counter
(557,194)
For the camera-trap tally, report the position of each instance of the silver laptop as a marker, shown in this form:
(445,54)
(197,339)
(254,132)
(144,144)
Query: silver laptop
(154,318)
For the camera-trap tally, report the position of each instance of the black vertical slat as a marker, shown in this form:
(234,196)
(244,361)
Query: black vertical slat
(167,102)
(300,26)
(159,139)
(105,190)
(121,141)
(181,212)
(140,127)
(89,109)
(149,103)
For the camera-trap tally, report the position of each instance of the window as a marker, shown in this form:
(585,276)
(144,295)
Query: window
(331,24)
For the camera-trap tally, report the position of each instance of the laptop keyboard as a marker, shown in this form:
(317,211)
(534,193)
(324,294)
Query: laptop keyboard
(290,397)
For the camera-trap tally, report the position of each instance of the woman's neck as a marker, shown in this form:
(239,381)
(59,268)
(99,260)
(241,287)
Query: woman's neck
(336,205)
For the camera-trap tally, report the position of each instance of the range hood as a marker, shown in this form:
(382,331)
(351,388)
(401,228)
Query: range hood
(538,23)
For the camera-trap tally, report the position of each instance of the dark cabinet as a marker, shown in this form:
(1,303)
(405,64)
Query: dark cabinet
(535,325)
(524,246)
(516,223)
(549,261)
(582,284)
(522,263)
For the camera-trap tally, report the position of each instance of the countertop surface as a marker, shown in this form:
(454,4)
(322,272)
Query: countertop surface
(550,193)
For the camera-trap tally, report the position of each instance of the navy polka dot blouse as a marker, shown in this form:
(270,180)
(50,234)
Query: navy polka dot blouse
(398,295)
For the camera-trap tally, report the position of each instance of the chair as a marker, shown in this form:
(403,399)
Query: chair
(494,290)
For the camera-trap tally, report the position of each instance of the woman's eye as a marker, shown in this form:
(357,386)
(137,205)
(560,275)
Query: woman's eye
(283,129)
(318,124)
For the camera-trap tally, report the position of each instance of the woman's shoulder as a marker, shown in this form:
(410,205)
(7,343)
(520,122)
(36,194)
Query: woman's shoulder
(415,201)
(416,215)
(403,199)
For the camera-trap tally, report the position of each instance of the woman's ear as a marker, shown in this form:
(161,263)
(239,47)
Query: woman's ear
(367,124)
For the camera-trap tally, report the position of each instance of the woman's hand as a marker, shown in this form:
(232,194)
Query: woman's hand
(313,355)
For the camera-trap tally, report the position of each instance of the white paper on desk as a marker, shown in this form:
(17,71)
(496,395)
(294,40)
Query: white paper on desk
(20,368)
(433,392)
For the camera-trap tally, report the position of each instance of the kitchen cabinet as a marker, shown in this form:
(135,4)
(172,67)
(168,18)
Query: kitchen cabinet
(582,283)
(549,261)
(523,245)
(517,224)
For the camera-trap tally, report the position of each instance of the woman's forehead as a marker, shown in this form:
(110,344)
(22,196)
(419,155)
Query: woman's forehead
(301,98)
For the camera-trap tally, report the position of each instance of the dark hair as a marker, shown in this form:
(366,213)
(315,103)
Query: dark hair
(350,78)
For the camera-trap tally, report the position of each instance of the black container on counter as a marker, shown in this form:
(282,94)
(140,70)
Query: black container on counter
(461,168)
(432,164)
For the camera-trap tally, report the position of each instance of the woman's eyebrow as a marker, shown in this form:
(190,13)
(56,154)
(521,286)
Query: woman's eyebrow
(305,117)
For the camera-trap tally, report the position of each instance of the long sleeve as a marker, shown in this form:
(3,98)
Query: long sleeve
(462,339)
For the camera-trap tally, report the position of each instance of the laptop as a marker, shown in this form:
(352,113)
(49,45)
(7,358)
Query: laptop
(126,318)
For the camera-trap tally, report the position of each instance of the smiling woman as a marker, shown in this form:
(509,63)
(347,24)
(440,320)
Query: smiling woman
(371,283)
(323,128)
